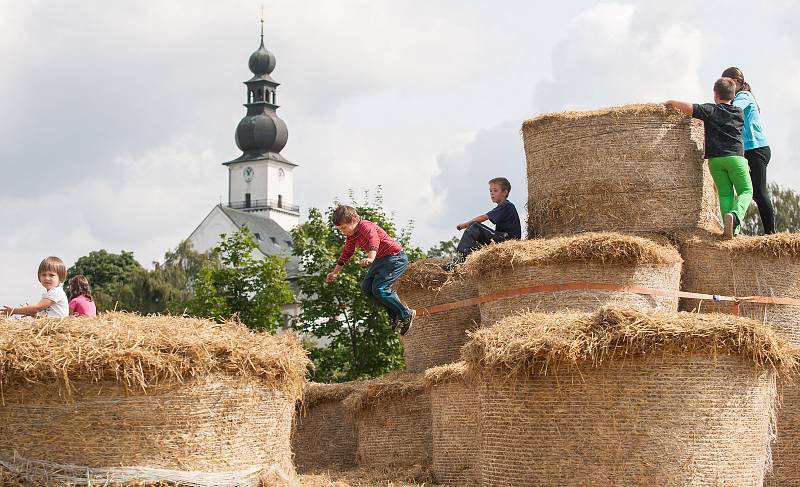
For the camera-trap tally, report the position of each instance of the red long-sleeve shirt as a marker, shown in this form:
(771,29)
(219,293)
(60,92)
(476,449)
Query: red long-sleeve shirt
(369,236)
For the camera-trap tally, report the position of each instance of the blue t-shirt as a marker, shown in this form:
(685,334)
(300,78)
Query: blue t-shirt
(753,132)
(506,219)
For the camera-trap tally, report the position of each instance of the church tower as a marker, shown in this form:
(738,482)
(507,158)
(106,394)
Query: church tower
(260,181)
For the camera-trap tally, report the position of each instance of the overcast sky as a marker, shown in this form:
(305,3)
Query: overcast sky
(115,116)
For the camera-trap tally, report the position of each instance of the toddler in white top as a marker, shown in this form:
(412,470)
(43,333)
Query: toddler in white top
(52,273)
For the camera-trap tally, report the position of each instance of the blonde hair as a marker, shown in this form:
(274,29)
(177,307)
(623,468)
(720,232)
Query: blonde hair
(53,264)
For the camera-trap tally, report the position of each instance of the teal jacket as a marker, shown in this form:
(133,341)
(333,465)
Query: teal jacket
(753,132)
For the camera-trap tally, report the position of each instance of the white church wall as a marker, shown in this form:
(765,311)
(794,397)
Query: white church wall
(206,236)
(286,220)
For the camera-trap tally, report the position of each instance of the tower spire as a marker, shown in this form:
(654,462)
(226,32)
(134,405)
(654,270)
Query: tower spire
(262,25)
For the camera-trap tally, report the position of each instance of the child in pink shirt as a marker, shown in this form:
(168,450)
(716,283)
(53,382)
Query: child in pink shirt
(81,303)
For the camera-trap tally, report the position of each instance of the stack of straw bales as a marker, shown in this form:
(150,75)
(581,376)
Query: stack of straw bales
(754,266)
(436,340)
(655,399)
(605,258)
(324,434)
(455,425)
(393,417)
(637,168)
(123,399)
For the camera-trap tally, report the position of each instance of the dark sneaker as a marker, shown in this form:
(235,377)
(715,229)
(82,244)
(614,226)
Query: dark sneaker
(395,322)
(729,221)
(407,322)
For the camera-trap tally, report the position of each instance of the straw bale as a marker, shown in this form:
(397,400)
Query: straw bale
(745,266)
(316,392)
(165,397)
(786,450)
(537,343)
(629,169)
(665,419)
(210,424)
(454,372)
(324,434)
(436,340)
(142,352)
(657,399)
(455,430)
(393,421)
(762,266)
(592,257)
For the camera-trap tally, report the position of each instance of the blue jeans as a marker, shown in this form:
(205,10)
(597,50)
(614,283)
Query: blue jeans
(377,284)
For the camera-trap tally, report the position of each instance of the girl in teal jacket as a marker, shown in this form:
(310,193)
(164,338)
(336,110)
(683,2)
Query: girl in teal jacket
(756,148)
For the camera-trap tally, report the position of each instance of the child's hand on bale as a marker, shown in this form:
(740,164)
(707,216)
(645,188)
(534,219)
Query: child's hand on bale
(7,310)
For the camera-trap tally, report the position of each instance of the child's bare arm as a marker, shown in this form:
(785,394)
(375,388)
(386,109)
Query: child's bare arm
(685,108)
(477,219)
(333,274)
(30,309)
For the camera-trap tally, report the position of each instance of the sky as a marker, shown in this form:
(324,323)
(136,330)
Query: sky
(115,117)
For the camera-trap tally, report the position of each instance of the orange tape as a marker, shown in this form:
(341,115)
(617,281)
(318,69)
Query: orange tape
(595,286)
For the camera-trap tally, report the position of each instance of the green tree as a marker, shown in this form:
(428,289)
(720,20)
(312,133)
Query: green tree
(353,335)
(242,286)
(786,203)
(169,286)
(446,249)
(120,282)
(106,272)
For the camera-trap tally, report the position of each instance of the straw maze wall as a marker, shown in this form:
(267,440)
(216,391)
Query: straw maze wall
(324,436)
(455,424)
(395,432)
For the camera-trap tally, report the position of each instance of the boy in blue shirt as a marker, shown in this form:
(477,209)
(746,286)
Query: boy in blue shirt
(505,219)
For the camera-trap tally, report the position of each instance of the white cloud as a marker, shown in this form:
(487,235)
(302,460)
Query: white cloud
(135,211)
(614,54)
(116,117)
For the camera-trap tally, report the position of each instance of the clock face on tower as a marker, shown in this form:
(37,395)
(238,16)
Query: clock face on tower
(248,174)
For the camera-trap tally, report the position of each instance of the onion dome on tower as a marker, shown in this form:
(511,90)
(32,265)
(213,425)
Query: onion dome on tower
(261,134)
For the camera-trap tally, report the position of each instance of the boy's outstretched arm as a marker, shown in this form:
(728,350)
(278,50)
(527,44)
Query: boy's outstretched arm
(30,309)
(685,108)
(477,219)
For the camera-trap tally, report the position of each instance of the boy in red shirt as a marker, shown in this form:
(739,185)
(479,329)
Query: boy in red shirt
(385,256)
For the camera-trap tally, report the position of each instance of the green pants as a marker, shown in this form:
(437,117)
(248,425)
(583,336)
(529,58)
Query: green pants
(732,173)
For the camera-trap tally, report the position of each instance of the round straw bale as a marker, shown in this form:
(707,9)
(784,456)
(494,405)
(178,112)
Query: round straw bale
(655,399)
(767,265)
(152,398)
(604,258)
(437,339)
(393,421)
(455,420)
(635,168)
(324,434)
